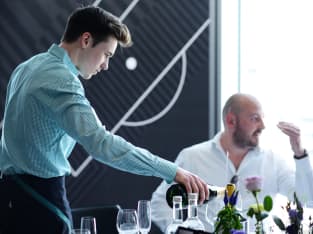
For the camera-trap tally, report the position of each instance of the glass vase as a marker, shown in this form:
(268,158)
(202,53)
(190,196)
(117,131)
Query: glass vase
(259,228)
(294,229)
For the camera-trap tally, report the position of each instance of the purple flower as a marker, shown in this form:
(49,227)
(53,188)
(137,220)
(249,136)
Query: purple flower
(253,183)
(225,198)
(293,214)
(233,198)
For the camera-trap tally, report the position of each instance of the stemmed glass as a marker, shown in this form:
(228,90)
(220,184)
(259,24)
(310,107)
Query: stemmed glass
(89,223)
(144,216)
(127,221)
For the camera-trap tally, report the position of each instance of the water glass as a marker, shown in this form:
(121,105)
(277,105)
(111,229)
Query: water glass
(144,216)
(89,223)
(127,221)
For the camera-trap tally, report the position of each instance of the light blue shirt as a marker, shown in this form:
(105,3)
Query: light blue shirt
(46,113)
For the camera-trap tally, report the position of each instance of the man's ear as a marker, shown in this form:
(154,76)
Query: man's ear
(231,119)
(86,40)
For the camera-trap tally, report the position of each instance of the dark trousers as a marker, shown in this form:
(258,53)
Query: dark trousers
(21,213)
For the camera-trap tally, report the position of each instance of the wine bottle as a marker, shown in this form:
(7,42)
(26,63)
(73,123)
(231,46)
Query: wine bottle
(180,190)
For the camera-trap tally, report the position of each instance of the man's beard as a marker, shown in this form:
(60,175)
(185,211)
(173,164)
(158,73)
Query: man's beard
(242,140)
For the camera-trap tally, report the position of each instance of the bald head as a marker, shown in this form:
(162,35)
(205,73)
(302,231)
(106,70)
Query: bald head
(238,103)
(243,120)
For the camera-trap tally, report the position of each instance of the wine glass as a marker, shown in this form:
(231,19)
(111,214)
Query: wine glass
(89,223)
(144,216)
(127,221)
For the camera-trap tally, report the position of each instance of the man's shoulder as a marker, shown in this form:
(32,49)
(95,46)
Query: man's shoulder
(201,148)
(198,146)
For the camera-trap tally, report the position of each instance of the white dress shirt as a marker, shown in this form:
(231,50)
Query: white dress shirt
(209,161)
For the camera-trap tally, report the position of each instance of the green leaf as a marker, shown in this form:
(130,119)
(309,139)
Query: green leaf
(268,203)
(263,216)
(279,223)
(217,226)
(228,218)
(250,212)
(257,207)
(222,212)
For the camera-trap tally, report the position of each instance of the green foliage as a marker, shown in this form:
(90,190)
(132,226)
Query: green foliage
(295,217)
(279,222)
(227,219)
(257,210)
(268,203)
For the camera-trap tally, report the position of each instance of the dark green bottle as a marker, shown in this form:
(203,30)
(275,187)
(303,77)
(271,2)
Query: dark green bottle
(180,190)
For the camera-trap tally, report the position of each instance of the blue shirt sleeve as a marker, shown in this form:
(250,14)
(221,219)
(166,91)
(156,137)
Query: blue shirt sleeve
(78,119)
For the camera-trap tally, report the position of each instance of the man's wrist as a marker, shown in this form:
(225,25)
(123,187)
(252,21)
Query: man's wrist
(304,155)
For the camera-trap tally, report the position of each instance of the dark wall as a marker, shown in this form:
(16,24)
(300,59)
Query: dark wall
(167,46)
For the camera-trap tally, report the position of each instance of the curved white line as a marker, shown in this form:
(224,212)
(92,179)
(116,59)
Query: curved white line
(171,103)
(160,76)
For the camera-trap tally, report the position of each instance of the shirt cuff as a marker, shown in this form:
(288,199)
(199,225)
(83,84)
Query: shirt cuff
(167,170)
(304,164)
(304,155)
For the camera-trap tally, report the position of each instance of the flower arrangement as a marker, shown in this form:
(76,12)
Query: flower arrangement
(258,210)
(295,217)
(228,218)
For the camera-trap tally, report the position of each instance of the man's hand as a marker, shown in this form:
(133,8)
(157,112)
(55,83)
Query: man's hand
(294,134)
(192,183)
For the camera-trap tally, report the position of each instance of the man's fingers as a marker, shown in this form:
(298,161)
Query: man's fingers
(201,189)
(192,183)
(188,187)
(203,192)
(289,129)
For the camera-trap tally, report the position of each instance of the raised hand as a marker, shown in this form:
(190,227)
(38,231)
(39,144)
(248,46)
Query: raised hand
(294,134)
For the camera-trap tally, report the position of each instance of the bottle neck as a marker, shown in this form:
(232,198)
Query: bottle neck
(192,208)
(216,192)
(177,212)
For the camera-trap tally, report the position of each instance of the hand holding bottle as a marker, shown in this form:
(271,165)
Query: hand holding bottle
(180,190)
(192,184)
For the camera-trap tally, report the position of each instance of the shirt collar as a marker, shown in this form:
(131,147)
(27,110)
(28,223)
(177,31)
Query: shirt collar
(63,55)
